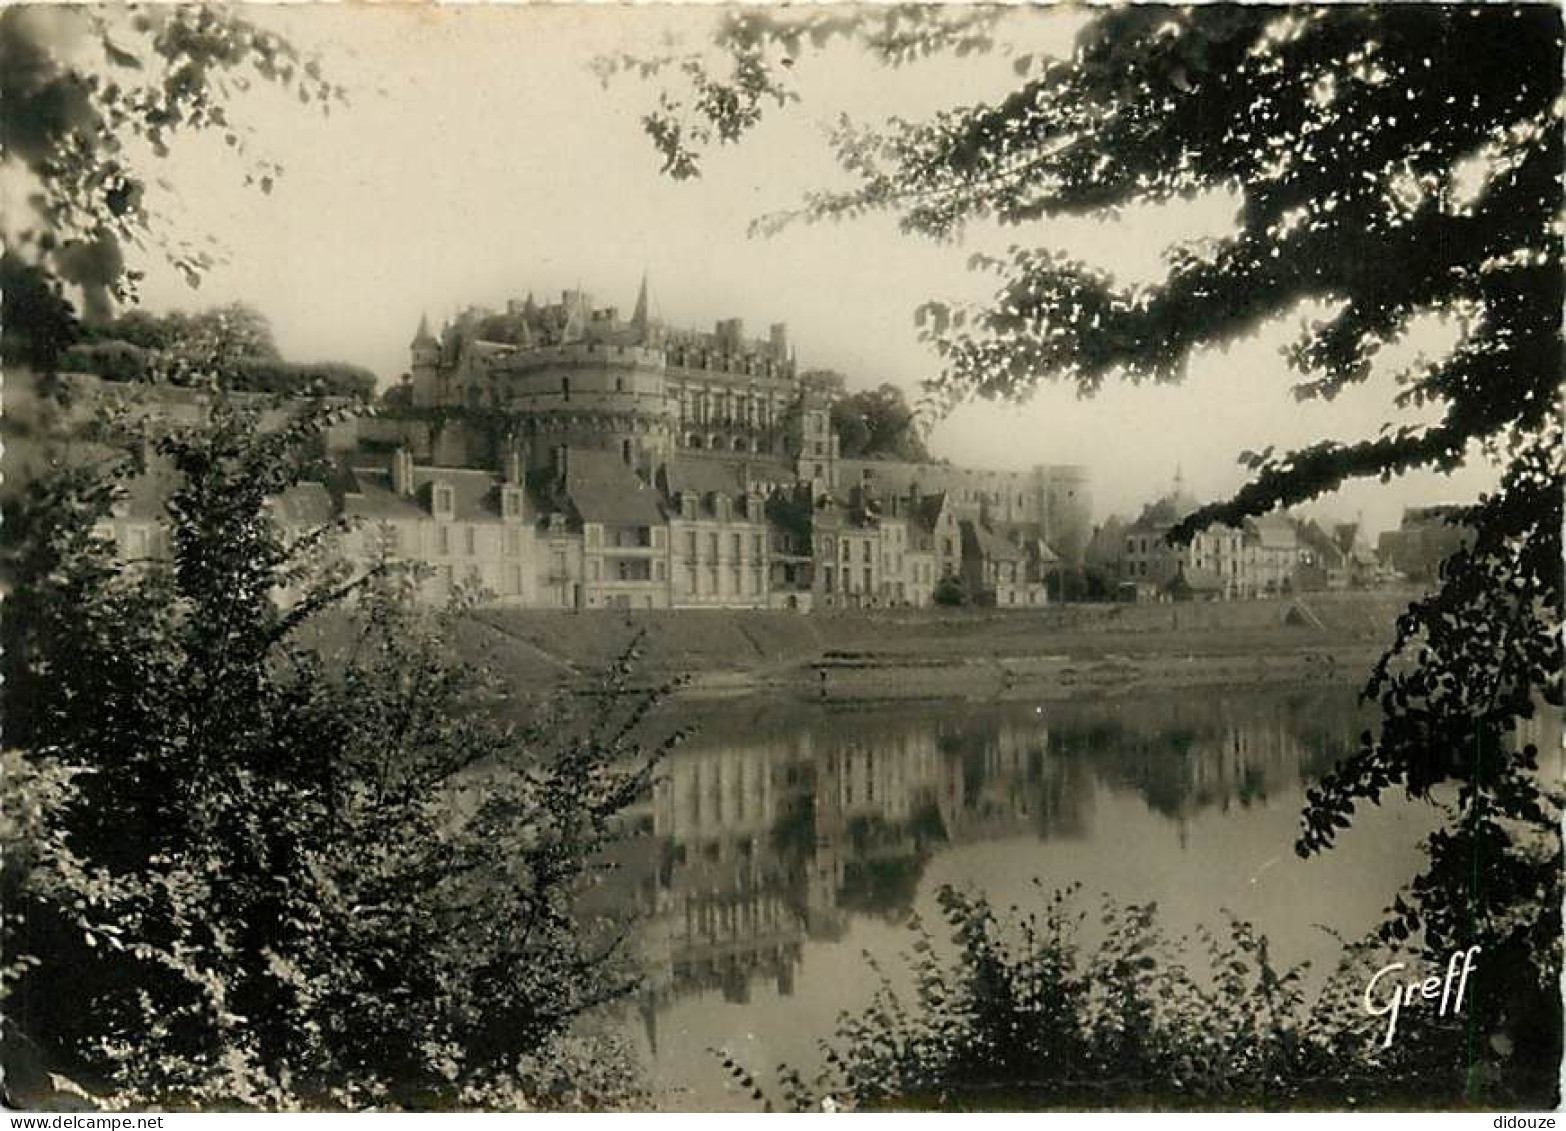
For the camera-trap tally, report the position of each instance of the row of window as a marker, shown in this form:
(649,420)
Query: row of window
(713,541)
(388,539)
(847,581)
(724,363)
(1199,543)
(623,537)
(625,569)
(708,581)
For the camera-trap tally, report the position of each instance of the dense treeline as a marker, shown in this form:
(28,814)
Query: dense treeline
(134,346)
(115,360)
(42,331)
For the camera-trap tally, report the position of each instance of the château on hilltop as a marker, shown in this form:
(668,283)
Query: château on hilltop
(561,455)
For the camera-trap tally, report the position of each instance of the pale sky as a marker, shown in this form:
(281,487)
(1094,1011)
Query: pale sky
(480,159)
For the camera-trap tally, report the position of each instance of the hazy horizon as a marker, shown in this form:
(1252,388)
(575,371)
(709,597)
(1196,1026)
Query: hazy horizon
(480,159)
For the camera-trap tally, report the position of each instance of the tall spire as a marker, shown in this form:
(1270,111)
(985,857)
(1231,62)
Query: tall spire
(639,320)
(423,337)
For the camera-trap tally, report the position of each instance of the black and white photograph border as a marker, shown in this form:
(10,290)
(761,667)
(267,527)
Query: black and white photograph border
(670,558)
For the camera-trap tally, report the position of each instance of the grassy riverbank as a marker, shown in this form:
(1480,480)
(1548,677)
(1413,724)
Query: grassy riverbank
(1055,652)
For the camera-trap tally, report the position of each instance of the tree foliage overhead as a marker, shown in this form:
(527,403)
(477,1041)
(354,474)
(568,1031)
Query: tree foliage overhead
(1392,162)
(88,94)
(1345,128)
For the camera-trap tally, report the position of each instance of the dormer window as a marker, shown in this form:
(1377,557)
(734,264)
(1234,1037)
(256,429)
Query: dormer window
(443,501)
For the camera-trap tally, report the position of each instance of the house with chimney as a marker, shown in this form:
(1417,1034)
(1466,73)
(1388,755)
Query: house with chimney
(617,516)
(720,541)
(465,527)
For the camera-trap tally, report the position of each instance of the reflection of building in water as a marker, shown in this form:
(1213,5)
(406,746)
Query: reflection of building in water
(717,909)
(1003,782)
(1186,759)
(759,844)
(876,820)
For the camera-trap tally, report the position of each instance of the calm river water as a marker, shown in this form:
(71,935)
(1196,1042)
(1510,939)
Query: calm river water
(784,846)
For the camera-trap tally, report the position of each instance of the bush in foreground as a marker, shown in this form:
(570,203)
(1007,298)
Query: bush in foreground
(1023,1015)
(260,872)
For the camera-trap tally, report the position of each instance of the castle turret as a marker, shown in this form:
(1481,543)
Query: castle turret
(425,363)
(640,318)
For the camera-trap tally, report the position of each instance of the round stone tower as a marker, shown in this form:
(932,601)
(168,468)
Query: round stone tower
(588,395)
(1064,494)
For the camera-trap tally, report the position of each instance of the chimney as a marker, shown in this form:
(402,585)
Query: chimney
(402,472)
(512,464)
(563,464)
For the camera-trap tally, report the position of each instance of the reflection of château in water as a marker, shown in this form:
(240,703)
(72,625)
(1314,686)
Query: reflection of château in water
(758,843)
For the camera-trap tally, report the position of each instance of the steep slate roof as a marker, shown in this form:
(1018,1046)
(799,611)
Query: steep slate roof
(423,337)
(1311,534)
(988,543)
(1029,536)
(368,494)
(704,477)
(603,489)
(1351,541)
(475,494)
